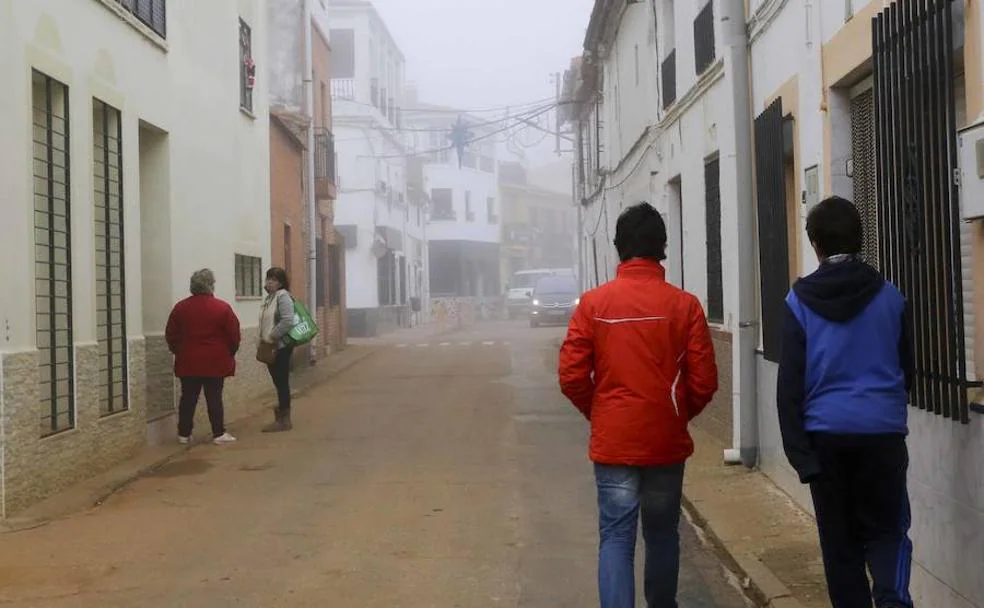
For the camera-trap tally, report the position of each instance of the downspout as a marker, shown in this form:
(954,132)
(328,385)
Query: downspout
(745,397)
(311,198)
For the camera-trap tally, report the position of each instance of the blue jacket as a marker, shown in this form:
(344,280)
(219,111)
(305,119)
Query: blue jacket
(846,363)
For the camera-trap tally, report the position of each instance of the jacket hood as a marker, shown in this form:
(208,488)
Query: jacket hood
(839,291)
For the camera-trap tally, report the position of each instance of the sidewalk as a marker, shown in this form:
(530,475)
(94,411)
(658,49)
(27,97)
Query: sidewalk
(95,490)
(771,543)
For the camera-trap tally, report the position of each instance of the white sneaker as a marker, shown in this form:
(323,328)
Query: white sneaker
(224,438)
(184,440)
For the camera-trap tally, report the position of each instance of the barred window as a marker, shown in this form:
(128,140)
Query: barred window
(249,276)
(110,280)
(246,69)
(53,254)
(152,13)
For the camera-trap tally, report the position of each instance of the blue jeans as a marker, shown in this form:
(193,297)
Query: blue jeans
(622,492)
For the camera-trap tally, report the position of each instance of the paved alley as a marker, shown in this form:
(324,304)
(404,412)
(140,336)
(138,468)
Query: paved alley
(442,472)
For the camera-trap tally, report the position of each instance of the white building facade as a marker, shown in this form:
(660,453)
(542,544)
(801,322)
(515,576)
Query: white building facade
(382,225)
(134,153)
(464,219)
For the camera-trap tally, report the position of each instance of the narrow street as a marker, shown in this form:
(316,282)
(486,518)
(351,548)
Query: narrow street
(445,473)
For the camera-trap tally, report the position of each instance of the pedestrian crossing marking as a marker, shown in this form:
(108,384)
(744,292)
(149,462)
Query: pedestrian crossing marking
(488,343)
(445,344)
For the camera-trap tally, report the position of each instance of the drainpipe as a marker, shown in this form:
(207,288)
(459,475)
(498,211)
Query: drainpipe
(311,198)
(745,397)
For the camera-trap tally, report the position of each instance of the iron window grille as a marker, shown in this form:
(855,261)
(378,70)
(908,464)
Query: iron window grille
(152,13)
(668,71)
(247,67)
(704,52)
(715,280)
(334,276)
(324,154)
(469,211)
(53,254)
(110,259)
(249,276)
(320,265)
(773,229)
(918,211)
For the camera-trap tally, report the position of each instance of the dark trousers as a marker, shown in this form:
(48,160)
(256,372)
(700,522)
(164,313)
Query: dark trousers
(280,373)
(191,389)
(862,507)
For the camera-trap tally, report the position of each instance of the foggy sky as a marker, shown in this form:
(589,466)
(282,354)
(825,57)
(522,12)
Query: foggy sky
(486,53)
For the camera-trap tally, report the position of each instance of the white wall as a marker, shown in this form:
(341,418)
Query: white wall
(482,186)
(219,167)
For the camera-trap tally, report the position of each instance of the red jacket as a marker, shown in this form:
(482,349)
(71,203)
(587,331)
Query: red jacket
(638,362)
(203,333)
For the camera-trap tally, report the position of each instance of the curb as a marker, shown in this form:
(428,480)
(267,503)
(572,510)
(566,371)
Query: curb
(759,582)
(126,475)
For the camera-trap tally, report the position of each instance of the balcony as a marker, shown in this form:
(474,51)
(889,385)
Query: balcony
(704,38)
(343,89)
(324,164)
(669,80)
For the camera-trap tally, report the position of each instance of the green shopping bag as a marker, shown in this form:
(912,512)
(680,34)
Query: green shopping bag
(305,329)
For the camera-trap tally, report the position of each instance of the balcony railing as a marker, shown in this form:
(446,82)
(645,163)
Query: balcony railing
(343,88)
(704,38)
(324,154)
(669,79)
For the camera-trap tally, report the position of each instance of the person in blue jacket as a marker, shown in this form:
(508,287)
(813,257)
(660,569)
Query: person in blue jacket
(844,376)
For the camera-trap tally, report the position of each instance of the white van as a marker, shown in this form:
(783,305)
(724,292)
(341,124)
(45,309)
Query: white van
(519,290)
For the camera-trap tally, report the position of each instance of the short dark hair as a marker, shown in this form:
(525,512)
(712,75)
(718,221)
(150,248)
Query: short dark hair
(640,233)
(279,275)
(834,227)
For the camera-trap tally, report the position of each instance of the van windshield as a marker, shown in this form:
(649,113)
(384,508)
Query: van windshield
(526,280)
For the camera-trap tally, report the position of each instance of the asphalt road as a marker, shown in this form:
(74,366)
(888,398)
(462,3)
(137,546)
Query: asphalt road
(443,473)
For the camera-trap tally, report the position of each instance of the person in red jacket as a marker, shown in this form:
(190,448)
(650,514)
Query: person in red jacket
(638,362)
(203,334)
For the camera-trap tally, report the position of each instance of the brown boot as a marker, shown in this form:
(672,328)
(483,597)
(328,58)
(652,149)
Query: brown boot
(281,422)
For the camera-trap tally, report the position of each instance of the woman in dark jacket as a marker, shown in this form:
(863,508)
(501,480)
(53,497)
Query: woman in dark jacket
(203,333)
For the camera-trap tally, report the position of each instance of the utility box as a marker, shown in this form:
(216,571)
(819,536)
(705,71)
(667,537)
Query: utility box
(970,152)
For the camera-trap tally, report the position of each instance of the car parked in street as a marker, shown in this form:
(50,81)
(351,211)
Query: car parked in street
(553,300)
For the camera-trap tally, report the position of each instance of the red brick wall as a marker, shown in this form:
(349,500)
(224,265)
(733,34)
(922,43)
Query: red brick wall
(287,205)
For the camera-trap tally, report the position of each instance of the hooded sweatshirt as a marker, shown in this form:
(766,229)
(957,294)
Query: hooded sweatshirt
(846,363)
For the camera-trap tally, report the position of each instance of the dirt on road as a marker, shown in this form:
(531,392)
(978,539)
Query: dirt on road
(447,473)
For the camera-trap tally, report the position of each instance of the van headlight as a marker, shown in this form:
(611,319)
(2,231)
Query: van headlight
(536,302)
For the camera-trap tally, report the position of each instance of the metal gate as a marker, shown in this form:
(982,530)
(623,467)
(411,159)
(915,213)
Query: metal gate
(919,248)
(773,230)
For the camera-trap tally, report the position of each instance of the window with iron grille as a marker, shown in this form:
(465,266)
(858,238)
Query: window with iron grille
(107,180)
(493,216)
(704,38)
(469,211)
(715,281)
(152,13)
(668,70)
(772,226)
(246,66)
(53,254)
(386,278)
(249,276)
(918,197)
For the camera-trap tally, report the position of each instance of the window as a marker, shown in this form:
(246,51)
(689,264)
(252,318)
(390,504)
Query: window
(493,217)
(669,79)
(288,253)
(321,268)
(53,254)
(247,69)
(249,276)
(152,13)
(715,281)
(335,269)
(443,200)
(469,212)
(386,278)
(110,280)
(342,53)
(704,38)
